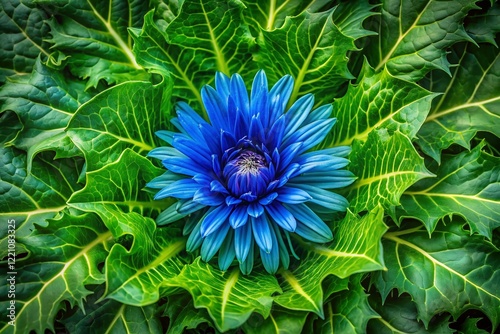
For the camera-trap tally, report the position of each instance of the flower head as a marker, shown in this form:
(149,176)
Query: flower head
(248,176)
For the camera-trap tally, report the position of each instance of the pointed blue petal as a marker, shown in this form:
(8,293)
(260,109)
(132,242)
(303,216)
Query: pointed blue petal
(282,216)
(166,136)
(275,135)
(325,198)
(249,197)
(311,134)
(217,186)
(320,163)
(322,112)
(255,209)
(288,154)
(169,215)
(231,200)
(283,251)
(188,206)
(163,180)
(164,152)
(259,84)
(247,265)
(181,165)
(326,180)
(243,241)
(262,233)
(279,96)
(271,260)
(226,252)
(297,113)
(195,239)
(184,188)
(239,93)
(309,225)
(207,197)
(213,242)
(292,195)
(222,85)
(215,108)
(239,216)
(268,199)
(214,219)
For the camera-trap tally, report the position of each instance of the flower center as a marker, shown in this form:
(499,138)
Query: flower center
(250,163)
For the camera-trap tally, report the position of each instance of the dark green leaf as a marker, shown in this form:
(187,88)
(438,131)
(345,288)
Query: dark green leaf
(484,27)
(280,321)
(183,315)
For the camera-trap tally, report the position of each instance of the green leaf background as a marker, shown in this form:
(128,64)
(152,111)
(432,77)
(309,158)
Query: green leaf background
(414,84)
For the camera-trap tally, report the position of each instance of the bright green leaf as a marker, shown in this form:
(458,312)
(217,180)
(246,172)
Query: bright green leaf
(470,100)
(452,271)
(229,297)
(182,314)
(413,35)
(346,255)
(64,258)
(124,116)
(23,29)
(385,166)
(379,100)
(280,321)
(467,184)
(94,34)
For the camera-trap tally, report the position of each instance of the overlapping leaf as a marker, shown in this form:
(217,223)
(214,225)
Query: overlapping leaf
(470,100)
(280,321)
(386,165)
(379,100)
(484,26)
(29,198)
(229,297)
(110,316)
(312,48)
(349,253)
(413,35)
(44,102)
(23,29)
(182,314)
(64,258)
(94,34)
(124,116)
(467,184)
(450,272)
(205,37)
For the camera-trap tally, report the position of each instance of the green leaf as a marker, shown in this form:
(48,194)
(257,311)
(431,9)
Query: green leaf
(484,27)
(23,29)
(312,49)
(347,312)
(452,271)
(110,316)
(470,100)
(280,321)
(44,103)
(124,116)
(413,35)
(64,258)
(29,198)
(94,34)
(379,100)
(399,315)
(183,315)
(470,326)
(229,297)
(345,256)
(206,36)
(10,126)
(467,184)
(385,166)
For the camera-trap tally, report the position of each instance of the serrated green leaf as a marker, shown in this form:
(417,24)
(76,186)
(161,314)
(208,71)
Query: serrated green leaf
(124,116)
(470,100)
(413,35)
(467,184)
(44,103)
(280,321)
(166,10)
(398,315)
(64,258)
(205,37)
(183,315)
(347,312)
(94,34)
(385,166)
(379,100)
(29,198)
(229,297)
(112,317)
(346,255)
(312,49)
(452,271)
(23,29)
(470,326)
(484,27)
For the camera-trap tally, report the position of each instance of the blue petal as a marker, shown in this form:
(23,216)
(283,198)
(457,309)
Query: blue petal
(283,252)
(320,163)
(164,152)
(214,219)
(203,179)
(184,188)
(239,216)
(239,93)
(163,180)
(289,173)
(188,206)
(197,128)
(282,216)
(216,108)
(247,265)
(207,197)
(217,186)
(271,259)
(169,215)
(325,198)
(181,165)
(195,239)
(222,85)
(275,135)
(192,221)
(256,130)
(227,140)
(259,84)
(165,135)
(298,113)
(326,180)
(231,200)
(292,195)
(322,112)
(213,242)
(268,199)
(243,241)
(192,149)
(262,233)
(226,252)
(249,197)
(309,225)
(288,154)
(216,165)
(311,134)
(255,209)
(279,96)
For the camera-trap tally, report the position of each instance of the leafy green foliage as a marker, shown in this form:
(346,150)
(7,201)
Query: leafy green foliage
(84,86)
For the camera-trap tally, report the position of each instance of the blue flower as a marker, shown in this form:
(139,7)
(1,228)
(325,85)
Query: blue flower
(247,178)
